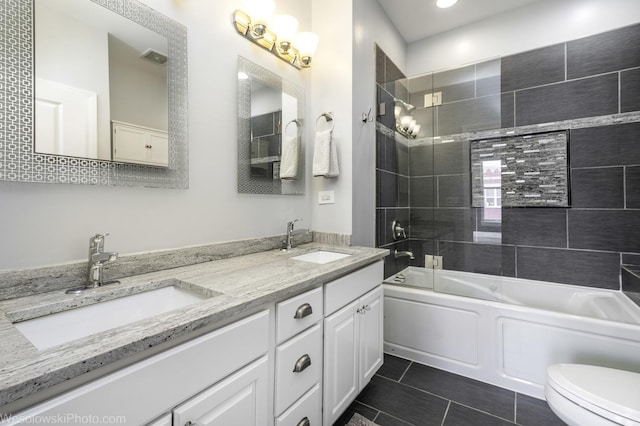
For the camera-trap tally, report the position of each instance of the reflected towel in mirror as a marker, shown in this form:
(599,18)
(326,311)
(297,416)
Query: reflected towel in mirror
(290,155)
(325,155)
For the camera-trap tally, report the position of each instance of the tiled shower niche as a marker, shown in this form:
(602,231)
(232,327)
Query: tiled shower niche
(426,182)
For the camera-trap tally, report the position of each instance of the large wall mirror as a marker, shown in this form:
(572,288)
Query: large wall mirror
(95,93)
(270,132)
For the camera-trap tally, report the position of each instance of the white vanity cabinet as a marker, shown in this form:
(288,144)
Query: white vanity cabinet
(353,340)
(298,366)
(137,144)
(142,392)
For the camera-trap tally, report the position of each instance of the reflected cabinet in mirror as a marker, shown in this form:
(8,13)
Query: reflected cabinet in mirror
(101,102)
(270,132)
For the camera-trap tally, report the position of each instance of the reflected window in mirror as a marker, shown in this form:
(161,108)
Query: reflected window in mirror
(270,137)
(105,101)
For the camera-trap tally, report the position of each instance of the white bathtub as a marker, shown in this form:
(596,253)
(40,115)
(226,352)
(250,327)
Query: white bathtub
(507,331)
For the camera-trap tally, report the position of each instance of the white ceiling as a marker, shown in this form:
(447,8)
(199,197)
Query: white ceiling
(418,19)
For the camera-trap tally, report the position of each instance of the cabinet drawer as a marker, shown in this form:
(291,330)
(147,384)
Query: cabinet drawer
(339,292)
(298,313)
(309,407)
(290,385)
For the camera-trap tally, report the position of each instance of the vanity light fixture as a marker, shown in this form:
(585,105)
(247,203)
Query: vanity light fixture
(277,35)
(443,4)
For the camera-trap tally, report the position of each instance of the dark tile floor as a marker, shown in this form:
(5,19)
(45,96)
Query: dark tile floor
(406,393)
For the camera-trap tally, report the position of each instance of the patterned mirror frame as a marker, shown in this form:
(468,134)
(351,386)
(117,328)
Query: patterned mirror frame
(19,162)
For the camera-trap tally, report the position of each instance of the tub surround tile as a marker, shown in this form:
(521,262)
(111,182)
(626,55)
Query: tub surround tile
(387,193)
(577,267)
(601,53)
(610,230)
(246,283)
(597,188)
(453,224)
(456,84)
(614,145)
(507,109)
(632,186)
(421,160)
(402,402)
(451,158)
(534,412)
(480,114)
(421,192)
(533,68)
(473,393)
(422,224)
(588,97)
(545,227)
(489,259)
(384,97)
(454,191)
(631,259)
(630,90)
(385,218)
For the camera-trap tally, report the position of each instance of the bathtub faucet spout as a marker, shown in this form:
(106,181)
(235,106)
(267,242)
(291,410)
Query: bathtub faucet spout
(407,253)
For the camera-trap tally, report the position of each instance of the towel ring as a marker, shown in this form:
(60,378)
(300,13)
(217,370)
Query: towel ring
(298,124)
(328,117)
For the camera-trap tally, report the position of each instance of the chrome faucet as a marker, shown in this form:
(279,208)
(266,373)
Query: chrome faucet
(407,253)
(289,241)
(97,259)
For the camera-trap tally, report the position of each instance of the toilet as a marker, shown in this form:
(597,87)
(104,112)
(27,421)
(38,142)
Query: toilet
(587,395)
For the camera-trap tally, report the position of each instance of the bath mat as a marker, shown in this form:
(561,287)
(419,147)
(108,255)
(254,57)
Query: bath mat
(358,420)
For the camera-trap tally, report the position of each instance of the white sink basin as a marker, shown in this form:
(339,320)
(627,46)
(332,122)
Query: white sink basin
(61,327)
(320,256)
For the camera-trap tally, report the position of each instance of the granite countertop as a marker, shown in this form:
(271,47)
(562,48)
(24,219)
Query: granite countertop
(236,287)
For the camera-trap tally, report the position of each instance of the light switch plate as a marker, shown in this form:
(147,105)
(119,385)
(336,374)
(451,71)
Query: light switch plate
(326,197)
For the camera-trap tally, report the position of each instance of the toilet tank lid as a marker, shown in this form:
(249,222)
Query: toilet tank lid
(613,390)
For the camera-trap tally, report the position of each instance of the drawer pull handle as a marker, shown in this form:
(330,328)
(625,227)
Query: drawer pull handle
(303,362)
(303,311)
(304,422)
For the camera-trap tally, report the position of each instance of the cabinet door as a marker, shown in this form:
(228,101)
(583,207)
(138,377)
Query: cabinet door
(240,399)
(340,361)
(129,144)
(371,338)
(159,151)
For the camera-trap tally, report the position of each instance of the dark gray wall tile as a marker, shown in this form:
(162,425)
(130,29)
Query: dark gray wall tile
(421,160)
(630,90)
(633,187)
(422,192)
(387,189)
(420,248)
(454,191)
(424,117)
(488,78)
(473,393)
(614,145)
(403,402)
(631,280)
(384,220)
(388,119)
(422,222)
(631,259)
(613,50)
(402,155)
(611,230)
(465,116)
(585,268)
(479,258)
(456,84)
(599,187)
(545,227)
(451,158)
(454,224)
(587,97)
(535,412)
(418,87)
(507,112)
(533,68)
(380,61)
(392,72)
(403,191)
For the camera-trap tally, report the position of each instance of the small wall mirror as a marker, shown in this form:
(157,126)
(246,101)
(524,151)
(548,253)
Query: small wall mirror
(270,132)
(98,94)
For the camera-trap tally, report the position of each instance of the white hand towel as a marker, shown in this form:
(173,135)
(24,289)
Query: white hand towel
(325,155)
(289,160)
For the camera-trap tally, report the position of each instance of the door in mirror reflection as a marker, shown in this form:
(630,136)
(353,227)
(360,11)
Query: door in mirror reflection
(93,69)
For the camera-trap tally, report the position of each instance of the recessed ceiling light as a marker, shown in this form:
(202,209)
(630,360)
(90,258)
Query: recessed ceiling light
(445,3)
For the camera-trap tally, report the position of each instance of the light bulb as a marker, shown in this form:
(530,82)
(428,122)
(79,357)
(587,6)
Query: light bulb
(445,3)
(285,27)
(260,12)
(405,120)
(306,44)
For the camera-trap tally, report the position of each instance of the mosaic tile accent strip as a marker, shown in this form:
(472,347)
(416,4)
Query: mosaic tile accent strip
(530,170)
(18,161)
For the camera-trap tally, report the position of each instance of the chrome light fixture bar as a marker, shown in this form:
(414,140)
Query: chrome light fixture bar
(295,49)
